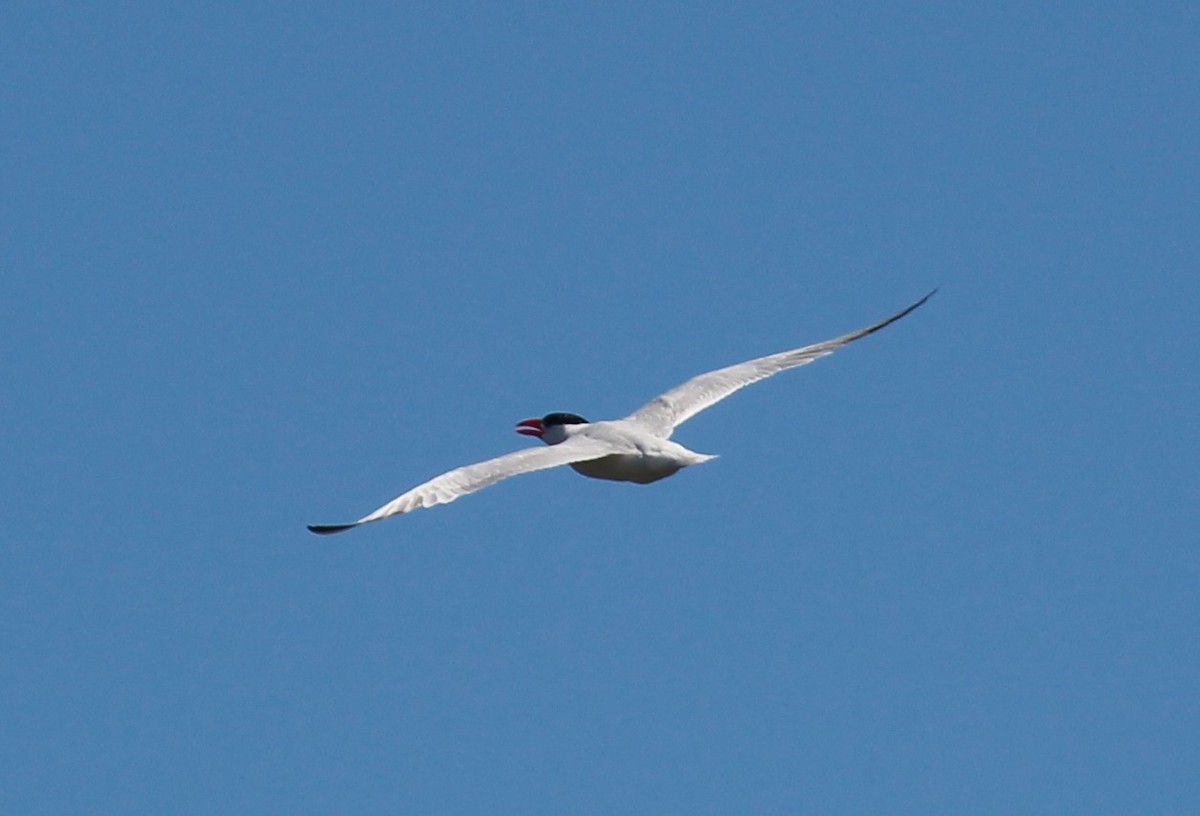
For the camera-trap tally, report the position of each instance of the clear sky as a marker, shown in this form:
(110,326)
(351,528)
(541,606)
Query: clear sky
(269,264)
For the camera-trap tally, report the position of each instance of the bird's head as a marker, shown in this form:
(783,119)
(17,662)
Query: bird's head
(551,428)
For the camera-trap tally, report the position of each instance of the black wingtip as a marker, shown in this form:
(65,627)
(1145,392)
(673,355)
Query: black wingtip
(886,321)
(920,302)
(326,529)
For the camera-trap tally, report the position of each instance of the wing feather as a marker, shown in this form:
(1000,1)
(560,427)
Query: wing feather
(461,481)
(666,412)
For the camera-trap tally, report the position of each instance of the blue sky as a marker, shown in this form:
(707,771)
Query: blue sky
(275,264)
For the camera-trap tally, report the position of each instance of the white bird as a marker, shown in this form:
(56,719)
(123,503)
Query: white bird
(637,448)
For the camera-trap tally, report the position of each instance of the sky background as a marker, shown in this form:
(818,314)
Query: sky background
(269,264)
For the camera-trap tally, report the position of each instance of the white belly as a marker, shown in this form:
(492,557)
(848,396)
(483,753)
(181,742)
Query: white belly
(643,467)
(629,467)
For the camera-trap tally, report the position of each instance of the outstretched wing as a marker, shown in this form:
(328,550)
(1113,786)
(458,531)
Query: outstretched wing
(461,481)
(664,413)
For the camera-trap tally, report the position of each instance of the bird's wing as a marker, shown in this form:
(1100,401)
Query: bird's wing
(461,481)
(664,413)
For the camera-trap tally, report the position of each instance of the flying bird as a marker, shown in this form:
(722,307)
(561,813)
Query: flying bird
(637,448)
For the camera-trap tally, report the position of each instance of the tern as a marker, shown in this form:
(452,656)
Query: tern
(637,448)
